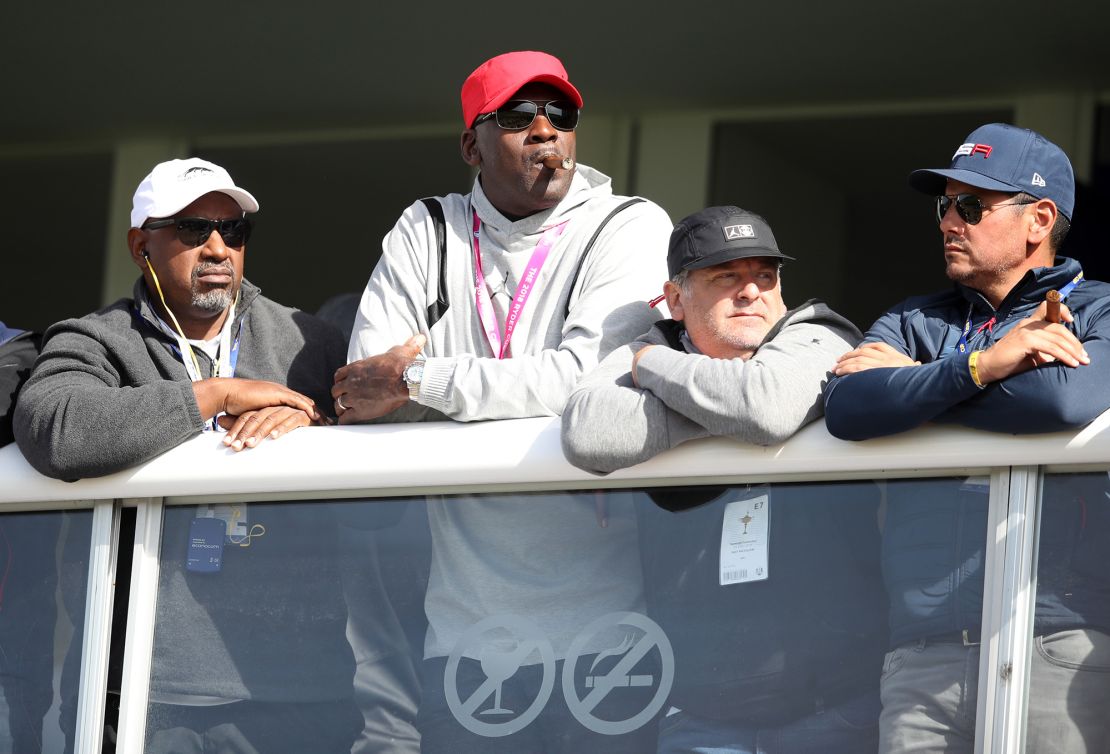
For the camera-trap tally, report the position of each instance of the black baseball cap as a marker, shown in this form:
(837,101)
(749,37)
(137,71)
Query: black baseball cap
(719,234)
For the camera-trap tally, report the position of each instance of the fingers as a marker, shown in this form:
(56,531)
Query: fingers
(1041,315)
(251,395)
(636,363)
(871,356)
(410,348)
(248,430)
(1029,346)
(1060,343)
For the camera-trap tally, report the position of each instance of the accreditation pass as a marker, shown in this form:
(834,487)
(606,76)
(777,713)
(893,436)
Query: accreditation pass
(744,540)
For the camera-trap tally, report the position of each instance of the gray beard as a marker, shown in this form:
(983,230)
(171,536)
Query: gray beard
(212,301)
(215,300)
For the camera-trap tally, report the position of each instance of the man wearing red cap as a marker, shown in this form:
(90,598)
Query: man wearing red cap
(491,305)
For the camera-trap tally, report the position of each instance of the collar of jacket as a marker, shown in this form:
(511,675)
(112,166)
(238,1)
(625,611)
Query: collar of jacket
(8,333)
(672,329)
(1030,290)
(587,184)
(248,292)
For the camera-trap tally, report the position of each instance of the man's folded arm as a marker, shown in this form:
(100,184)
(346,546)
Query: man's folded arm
(1049,398)
(763,400)
(611,424)
(75,421)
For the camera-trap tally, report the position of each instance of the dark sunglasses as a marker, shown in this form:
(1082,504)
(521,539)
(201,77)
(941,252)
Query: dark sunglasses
(970,207)
(519,113)
(194,231)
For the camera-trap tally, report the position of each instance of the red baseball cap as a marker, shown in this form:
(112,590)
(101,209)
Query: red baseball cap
(495,81)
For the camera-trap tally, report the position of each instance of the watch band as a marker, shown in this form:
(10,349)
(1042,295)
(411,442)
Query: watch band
(412,375)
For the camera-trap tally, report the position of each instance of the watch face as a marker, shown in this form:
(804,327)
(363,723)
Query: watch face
(414,371)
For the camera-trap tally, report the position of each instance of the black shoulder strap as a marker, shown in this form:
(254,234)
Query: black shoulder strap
(438,307)
(590,244)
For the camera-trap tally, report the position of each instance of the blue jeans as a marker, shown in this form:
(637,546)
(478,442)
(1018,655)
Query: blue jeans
(851,727)
(930,691)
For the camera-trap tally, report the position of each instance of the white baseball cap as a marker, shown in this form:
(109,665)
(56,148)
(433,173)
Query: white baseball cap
(176,184)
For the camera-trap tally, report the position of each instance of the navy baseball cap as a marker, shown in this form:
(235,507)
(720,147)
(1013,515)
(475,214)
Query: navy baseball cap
(719,234)
(1001,157)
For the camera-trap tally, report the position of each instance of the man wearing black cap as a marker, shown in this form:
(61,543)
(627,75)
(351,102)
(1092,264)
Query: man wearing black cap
(725,298)
(987,354)
(790,656)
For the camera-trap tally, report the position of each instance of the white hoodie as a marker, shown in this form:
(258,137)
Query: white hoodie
(542,556)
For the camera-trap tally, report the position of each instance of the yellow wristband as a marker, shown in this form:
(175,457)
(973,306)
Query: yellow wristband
(972,366)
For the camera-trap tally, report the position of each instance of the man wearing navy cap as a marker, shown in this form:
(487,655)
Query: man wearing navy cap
(987,355)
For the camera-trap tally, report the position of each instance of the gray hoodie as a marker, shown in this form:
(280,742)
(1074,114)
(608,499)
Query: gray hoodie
(609,423)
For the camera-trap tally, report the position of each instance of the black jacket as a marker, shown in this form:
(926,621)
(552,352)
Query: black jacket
(768,652)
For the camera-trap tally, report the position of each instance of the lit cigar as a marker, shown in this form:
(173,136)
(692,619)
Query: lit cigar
(1052,308)
(555,162)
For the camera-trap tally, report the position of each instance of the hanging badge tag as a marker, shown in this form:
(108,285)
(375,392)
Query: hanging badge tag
(980,484)
(744,541)
(206,545)
(234,516)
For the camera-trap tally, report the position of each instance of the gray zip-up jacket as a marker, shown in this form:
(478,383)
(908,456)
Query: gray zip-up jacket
(110,390)
(609,423)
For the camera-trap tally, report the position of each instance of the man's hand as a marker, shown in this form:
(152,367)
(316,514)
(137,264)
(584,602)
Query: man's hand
(373,387)
(236,396)
(636,362)
(872,356)
(1032,342)
(250,428)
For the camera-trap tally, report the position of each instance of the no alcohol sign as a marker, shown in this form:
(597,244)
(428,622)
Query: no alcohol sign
(503,644)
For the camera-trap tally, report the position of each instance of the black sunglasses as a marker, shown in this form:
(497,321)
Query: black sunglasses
(519,113)
(970,207)
(194,231)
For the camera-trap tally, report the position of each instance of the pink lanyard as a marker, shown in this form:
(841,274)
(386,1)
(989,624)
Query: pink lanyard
(523,290)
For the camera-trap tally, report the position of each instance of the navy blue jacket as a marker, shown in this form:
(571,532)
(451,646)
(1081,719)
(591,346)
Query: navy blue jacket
(935,532)
(1052,397)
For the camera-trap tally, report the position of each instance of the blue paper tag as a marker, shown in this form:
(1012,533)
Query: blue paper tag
(206,545)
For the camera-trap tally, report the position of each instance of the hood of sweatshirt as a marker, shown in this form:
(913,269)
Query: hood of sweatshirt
(514,236)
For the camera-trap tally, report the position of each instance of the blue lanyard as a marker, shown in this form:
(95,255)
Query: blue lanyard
(961,346)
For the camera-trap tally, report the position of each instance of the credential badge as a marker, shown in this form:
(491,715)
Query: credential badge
(733,232)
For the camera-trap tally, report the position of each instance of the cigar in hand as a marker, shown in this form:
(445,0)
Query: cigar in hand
(1052,308)
(555,162)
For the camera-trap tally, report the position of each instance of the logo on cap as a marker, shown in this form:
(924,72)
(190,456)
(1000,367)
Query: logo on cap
(733,232)
(190,173)
(1038,181)
(970,149)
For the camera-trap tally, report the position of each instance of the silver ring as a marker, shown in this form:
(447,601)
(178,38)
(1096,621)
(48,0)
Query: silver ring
(339,402)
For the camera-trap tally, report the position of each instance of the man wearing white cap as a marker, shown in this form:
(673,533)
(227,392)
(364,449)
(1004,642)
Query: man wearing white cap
(198,347)
(197,341)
